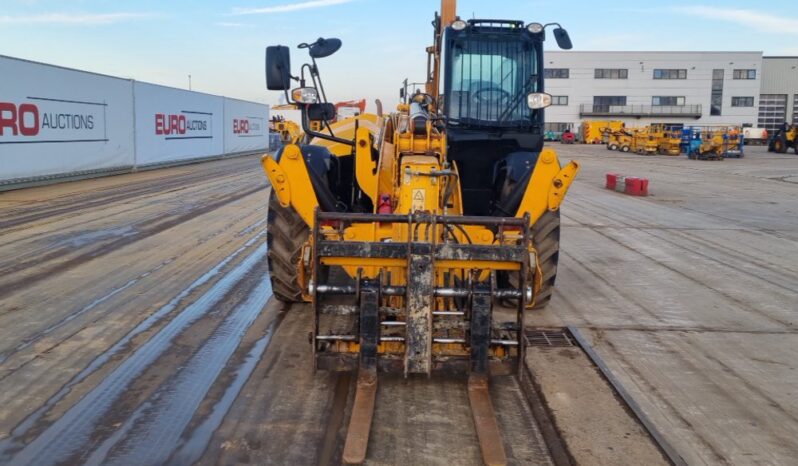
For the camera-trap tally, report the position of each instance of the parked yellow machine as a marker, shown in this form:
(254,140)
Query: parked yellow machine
(785,137)
(594,131)
(290,132)
(390,228)
(644,142)
(720,142)
(669,140)
(620,140)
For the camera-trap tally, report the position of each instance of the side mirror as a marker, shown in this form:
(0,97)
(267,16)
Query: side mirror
(563,41)
(324,47)
(324,111)
(278,68)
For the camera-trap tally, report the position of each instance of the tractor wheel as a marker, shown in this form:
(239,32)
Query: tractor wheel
(624,148)
(286,234)
(780,146)
(546,239)
(794,147)
(612,147)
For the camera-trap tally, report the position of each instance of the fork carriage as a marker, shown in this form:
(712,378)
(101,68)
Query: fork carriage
(425,305)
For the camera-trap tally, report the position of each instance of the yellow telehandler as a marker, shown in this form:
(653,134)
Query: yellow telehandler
(786,137)
(406,231)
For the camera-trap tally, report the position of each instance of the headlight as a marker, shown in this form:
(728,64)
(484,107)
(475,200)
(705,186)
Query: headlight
(459,25)
(535,28)
(538,100)
(305,95)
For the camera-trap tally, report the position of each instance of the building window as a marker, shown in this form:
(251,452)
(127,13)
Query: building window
(556,127)
(559,100)
(602,103)
(795,109)
(611,73)
(744,74)
(667,100)
(742,101)
(670,74)
(556,73)
(716,101)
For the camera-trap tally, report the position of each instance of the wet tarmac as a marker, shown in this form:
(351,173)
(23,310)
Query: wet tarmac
(136,325)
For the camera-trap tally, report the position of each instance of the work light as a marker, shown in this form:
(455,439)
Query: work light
(305,95)
(538,100)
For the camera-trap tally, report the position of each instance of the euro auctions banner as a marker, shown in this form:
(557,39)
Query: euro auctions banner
(174,125)
(55,120)
(246,126)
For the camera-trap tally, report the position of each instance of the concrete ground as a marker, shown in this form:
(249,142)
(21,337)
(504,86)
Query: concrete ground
(135,329)
(691,295)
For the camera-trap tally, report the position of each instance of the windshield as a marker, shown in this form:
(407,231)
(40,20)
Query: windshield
(490,78)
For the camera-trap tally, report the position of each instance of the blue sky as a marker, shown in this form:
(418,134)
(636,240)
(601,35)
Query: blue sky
(221,43)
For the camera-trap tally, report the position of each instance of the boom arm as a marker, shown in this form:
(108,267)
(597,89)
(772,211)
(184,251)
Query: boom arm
(447,17)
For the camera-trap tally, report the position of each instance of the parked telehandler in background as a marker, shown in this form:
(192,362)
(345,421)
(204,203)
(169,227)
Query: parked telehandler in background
(785,137)
(405,231)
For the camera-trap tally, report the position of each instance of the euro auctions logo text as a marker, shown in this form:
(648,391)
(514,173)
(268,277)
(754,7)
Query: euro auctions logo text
(184,125)
(249,126)
(51,120)
(240,126)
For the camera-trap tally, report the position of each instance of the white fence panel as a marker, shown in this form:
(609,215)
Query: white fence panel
(246,126)
(57,121)
(174,125)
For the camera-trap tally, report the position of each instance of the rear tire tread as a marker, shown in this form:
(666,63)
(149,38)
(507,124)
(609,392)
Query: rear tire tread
(286,234)
(546,238)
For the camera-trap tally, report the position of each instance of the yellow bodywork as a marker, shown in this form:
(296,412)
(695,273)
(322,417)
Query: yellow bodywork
(619,140)
(412,172)
(290,132)
(644,141)
(595,131)
(720,141)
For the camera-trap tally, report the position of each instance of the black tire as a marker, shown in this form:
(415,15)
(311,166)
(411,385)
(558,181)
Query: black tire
(546,239)
(794,147)
(286,234)
(624,148)
(612,147)
(780,146)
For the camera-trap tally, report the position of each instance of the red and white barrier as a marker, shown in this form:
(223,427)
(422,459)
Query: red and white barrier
(630,185)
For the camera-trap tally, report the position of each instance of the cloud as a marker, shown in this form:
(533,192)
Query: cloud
(227,24)
(72,18)
(764,22)
(285,8)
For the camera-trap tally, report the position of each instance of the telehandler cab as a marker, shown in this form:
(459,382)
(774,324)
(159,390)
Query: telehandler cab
(405,231)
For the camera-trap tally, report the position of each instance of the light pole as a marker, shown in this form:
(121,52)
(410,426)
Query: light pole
(189,82)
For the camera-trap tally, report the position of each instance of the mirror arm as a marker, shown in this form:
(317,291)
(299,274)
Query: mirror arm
(315,71)
(310,132)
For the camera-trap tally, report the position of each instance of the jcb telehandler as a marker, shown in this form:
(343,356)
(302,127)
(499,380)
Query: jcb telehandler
(406,231)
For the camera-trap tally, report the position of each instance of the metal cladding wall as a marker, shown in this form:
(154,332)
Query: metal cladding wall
(246,126)
(173,124)
(55,120)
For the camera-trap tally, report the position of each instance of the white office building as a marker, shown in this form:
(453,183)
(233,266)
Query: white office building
(639,88)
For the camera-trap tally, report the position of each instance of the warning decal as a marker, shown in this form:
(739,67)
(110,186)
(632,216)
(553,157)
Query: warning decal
(419,197)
